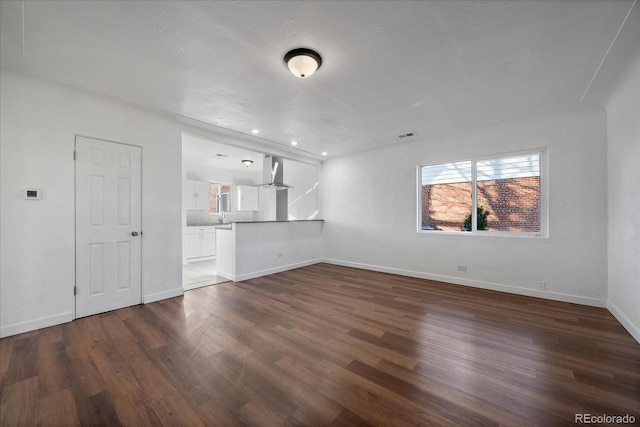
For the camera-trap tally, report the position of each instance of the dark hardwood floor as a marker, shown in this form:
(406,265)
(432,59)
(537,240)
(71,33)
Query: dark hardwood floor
(325,345)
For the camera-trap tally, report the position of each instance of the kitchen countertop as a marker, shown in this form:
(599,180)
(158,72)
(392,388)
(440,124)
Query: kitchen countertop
(276,220)
(249,221)
(223,224)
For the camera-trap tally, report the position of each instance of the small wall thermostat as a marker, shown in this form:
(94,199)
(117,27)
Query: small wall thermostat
(32,193)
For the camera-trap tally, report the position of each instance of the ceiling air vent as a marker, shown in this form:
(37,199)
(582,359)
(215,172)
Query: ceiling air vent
(405,135)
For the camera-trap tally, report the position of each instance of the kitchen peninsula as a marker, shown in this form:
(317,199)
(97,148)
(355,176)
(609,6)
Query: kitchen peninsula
(249,249)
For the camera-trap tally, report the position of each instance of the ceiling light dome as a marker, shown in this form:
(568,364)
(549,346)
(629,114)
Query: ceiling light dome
(302,62)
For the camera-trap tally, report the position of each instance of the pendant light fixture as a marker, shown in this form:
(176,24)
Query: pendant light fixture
(302,62)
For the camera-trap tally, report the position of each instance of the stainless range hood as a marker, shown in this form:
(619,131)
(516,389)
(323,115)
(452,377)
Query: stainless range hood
(273,172)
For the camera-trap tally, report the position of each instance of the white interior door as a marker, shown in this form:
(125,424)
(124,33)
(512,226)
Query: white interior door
(108,212)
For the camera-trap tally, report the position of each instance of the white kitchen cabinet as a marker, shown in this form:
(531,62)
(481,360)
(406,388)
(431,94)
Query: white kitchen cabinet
(194,245)
(209,244)
(247,198)
(201,242)
(196,195)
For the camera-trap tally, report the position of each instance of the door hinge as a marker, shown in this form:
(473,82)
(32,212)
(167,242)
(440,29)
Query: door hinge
(75,155)
(75,290)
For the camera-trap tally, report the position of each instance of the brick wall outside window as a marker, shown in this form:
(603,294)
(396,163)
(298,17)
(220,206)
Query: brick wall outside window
(445,206)
(514,204)
(214,191)
(213,197)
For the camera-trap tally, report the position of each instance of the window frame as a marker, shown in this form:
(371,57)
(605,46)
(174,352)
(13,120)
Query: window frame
(544,196)
(210,198)
(220,193)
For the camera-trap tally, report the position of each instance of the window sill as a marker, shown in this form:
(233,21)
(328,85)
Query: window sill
(526,235)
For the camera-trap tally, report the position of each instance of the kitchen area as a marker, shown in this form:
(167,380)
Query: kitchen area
(245,213)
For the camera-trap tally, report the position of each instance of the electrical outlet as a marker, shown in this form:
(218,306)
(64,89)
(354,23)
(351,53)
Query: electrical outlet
(280,254)
(462,268)
(542,286)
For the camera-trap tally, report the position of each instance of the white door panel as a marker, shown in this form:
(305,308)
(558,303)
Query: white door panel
(108,212)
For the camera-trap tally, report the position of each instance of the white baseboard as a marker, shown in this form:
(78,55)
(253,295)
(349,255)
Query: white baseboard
(146,299)
(201,259)
(279,269)
(32,325)
(45,322)
(576,299)
(634,330)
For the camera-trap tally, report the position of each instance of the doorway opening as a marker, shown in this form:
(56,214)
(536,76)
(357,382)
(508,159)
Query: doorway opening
(198,274)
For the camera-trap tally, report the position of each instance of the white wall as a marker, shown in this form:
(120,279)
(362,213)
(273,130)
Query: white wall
(257,249)
(304,197)
(39,120)
(370,205)
(623,155)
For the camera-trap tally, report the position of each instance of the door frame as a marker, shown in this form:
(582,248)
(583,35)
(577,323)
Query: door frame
(75,222)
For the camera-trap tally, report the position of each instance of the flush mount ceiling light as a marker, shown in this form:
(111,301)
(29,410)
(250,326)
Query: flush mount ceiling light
(247,163)
(302,62)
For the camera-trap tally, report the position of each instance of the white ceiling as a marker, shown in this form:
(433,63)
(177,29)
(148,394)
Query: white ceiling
(215,156)
(389,67)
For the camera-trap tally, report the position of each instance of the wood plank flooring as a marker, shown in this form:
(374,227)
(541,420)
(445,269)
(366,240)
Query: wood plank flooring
(325,345)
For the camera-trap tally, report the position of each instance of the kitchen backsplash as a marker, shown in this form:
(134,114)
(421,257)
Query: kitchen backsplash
(202,217)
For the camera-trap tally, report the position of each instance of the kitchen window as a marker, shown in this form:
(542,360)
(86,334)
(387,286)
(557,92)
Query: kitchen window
(497,195)
(219,197)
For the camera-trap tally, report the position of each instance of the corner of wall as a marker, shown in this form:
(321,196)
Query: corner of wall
(624,320)
(623,193)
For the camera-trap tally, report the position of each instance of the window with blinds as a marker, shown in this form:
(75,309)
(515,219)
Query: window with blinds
(501,195)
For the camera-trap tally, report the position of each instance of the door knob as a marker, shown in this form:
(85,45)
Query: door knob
(134,233)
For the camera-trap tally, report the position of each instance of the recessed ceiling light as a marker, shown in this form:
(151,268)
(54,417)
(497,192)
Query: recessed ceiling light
(255,131)
(294,143)
(324,153)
